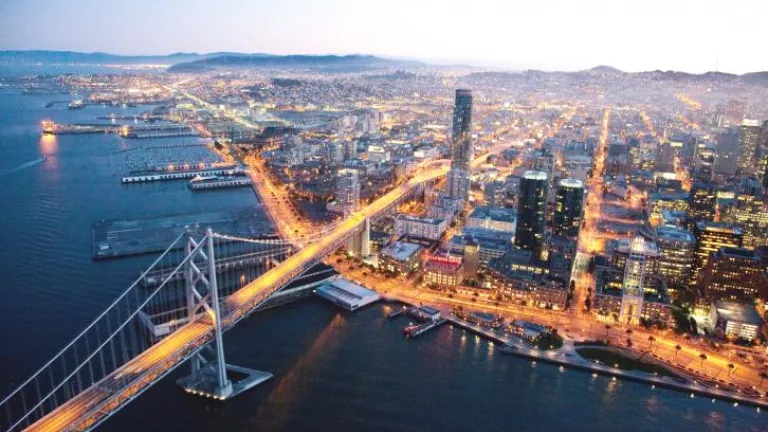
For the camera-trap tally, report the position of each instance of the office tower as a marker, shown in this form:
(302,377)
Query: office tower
(632,291)
(702,202)
(496,194)
(703,162)
(461,146)
(531,211)
(568,208)
(665,157)
(347,192)
(765,172)
(733,274)
(750,212)
(677,247)
(749,136)
(710,237)
(350,150)
(727,152)
(471,251)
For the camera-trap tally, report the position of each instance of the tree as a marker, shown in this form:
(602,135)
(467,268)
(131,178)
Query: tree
(607,330)
(730,368)
(703,357)
(677,349)
(651,340)
(763,375)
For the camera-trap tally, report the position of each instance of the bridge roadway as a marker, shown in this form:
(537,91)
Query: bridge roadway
(96,403)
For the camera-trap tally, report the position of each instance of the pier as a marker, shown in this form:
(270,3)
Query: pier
(219,183)
(419,329)
(153,176)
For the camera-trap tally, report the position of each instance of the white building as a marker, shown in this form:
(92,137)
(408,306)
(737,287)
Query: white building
(347,193)
(496,219)
(378,154)
(431,228)
(633,293)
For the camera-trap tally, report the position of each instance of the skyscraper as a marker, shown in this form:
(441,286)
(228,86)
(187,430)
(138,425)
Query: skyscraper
(461,146)
(632,291)
(676,252)
(733,274)
(749,135)
(710,237)
(727,152)
(531,212)
(568,208)
(702,201)
(347,192)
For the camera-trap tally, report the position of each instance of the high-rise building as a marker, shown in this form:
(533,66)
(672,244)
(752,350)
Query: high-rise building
(750,212)
(749,136)
(350,150)
(677,247)
(632,291)
(568,208)
(496,193)
(347,192)
(461,146)
(531,211)
(710,237)
(703,162)
(702,202)
(733,274)
(665,157)
(727,152)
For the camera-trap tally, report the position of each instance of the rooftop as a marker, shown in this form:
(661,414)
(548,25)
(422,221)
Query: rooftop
(401,251)
(571,183)
(494,213)
(535,175)
(730,311)
(427,220)
(668,232)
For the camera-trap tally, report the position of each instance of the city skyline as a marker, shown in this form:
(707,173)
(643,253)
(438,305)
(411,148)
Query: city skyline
(580,36)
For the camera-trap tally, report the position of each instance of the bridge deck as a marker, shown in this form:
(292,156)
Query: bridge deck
(96,403)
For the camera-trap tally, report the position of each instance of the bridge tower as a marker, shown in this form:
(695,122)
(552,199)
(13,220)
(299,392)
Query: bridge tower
(359,244)
(209,377)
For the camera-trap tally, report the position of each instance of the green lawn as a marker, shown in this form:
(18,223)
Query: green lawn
(611,358)
(549,341)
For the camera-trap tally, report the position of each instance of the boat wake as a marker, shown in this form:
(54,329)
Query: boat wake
(24,166)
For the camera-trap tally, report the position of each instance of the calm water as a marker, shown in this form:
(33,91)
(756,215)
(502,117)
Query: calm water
(333,371)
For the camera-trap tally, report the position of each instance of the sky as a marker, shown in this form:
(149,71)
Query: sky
(685,35)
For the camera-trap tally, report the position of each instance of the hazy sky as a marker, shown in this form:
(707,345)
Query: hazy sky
(632,35)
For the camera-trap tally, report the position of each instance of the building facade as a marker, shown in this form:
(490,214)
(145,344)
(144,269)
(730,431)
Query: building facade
(568,208)
(532,211)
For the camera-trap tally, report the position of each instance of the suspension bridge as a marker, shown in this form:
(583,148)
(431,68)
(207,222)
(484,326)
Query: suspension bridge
(176,311)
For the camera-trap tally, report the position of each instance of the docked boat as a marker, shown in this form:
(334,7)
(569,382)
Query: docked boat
(76,104)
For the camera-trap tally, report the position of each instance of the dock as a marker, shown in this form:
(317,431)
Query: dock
(153,176)
(124,237)
(415,331)
(219,183)
(346,294)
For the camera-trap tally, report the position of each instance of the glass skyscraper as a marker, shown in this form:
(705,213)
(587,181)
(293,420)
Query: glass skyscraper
(461,146)
(532,212)
(568,208)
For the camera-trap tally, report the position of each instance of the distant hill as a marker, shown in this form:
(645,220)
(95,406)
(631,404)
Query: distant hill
(58,57)
(328,62)
(605,70)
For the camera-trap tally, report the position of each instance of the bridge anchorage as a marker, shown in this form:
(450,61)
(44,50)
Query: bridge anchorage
(209,377)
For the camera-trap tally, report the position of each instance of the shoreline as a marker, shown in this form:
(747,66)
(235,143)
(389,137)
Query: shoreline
(562,357)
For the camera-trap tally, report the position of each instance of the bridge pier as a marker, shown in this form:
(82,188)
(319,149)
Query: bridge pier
(359,245)
(209,377)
